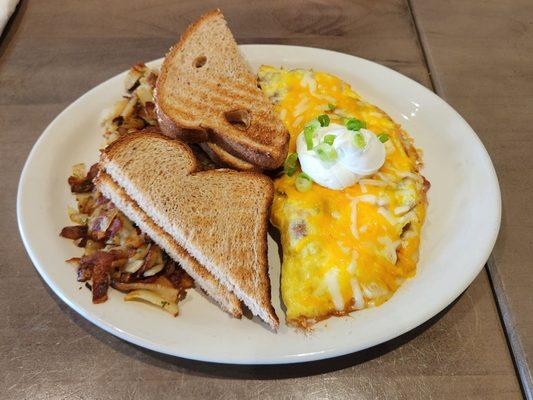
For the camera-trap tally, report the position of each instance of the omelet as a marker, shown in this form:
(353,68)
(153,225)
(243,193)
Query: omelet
(349,249)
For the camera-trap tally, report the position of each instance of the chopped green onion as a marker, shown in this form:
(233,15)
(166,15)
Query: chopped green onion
(359,140)
(331,107)
(308,134)
(303,182)
(329,139)
(309,131)
(290,164)
(323,120)
(383,137)
(354,124)
(326,152)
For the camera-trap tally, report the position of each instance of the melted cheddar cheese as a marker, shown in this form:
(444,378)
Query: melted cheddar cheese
(347,249)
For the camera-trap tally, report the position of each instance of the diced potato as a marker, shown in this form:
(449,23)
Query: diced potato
(141,252)
(77,217)
(134,74)
(79,170)
(85,202)
(144,94)
(164,281)
(154,270)
(92,247)
(153,298)
(133,266)
(169,294)
(129,108)
(118,109)
(133,123)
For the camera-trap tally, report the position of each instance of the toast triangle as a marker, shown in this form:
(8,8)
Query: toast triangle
(205,92)
(218,216)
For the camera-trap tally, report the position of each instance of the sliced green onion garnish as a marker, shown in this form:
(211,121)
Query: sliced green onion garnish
(290,164)
(323,120)
(303,182)
(331,107)
(354,124)
(309,132)
(329,139)
(359,140)
(383,137)
(326,152)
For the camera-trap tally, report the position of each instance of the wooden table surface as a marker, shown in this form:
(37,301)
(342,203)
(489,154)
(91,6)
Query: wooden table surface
(475,55)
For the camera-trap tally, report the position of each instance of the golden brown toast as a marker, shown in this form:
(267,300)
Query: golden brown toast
(219,217)
(205,92)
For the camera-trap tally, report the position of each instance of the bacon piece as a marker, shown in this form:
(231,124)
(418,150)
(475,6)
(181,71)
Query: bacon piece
(170,267)
(150,258)
(97,267)
(96,232)
(78,185)
(99,227)
(74,232)
(101,200)
(177,276)
(85,267)
(119,263)
(118,254)
(85,272)
(100,275)
(101,282)
(427,185)
(115,226)
(180,279)
(83,185)
(93,171)
(150,279)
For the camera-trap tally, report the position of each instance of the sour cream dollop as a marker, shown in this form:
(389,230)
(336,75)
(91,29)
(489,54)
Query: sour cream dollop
(351,164)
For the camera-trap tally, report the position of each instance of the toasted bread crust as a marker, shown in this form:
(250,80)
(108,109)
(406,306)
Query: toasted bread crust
(239,282)
(188,134)
(265,142)
(215,13)
(225,159)
(262,158)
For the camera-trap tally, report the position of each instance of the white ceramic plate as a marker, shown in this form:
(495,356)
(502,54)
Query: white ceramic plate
(462,224)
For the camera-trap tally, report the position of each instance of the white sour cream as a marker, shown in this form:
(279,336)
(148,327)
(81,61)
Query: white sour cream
(352,163)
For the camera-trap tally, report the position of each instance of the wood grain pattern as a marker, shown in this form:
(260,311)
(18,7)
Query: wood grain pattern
(55,52)
(489,79)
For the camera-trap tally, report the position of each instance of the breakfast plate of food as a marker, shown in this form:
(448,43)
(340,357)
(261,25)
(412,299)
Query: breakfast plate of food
(258,204)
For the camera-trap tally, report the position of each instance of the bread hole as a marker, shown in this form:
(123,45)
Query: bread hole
(199,61)
(240,118)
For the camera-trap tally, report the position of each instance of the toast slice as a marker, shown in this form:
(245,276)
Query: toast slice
(225,298)
(225,159)
(218,216)
(205,92)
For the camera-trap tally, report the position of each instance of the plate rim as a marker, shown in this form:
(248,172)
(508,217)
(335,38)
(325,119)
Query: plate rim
(313,356)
